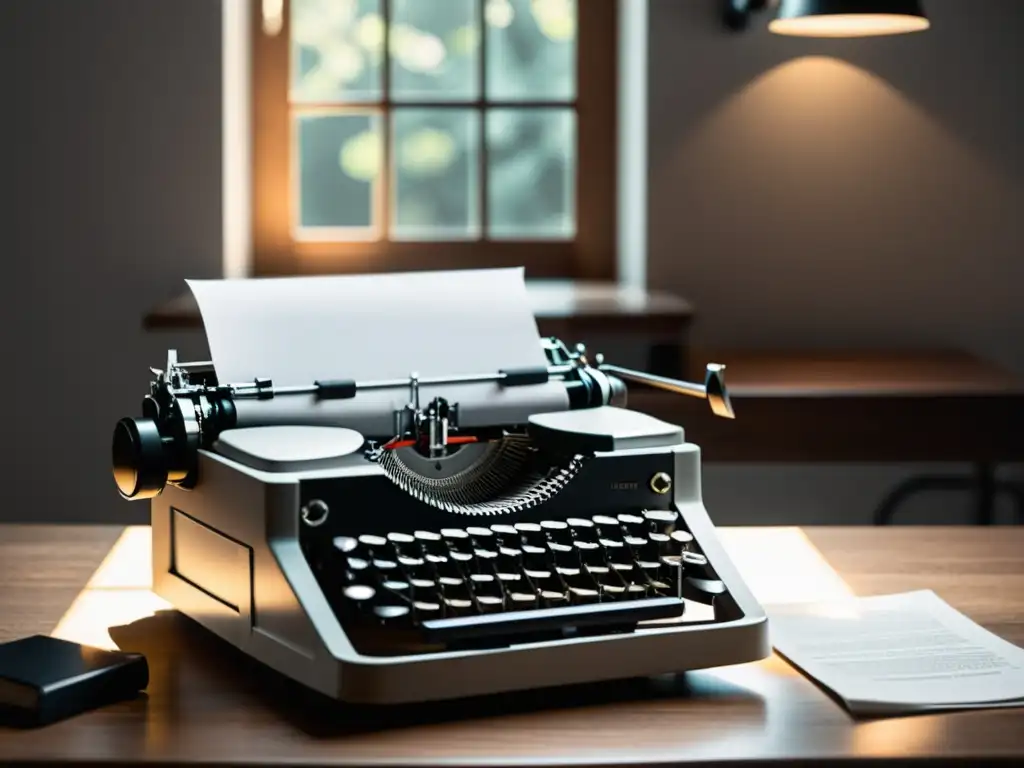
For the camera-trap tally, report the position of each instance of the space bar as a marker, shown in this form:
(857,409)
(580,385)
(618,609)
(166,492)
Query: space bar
(541,619)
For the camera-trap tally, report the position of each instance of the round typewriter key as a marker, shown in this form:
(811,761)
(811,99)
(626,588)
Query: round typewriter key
(402,543)
(391,614)
(634,525)
(385,569)
(683,538)
(410,563)
(481,537)
(607,527)
(359,593)
(507,535)
(582,529)
(345,544)
(532,533)
(456,539)
(430,542)
(369,540)
(660,520)
(658,545)
(423,588)
(398,588)
(557,531)
(355,566)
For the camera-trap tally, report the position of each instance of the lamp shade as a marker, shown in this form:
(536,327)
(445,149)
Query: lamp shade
(848,18)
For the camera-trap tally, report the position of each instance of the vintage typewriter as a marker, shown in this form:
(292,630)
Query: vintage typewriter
(428,556)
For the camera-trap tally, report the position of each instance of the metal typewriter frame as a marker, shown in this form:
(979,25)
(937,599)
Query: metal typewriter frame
(229,557)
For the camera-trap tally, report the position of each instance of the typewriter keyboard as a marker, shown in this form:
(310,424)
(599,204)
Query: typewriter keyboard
(457,584)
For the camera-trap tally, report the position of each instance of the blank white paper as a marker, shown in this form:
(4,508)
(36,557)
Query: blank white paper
(899,653)
(297,330)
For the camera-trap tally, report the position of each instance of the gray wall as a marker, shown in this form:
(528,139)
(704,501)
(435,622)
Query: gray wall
(839,192)
(909,149)
(114,106)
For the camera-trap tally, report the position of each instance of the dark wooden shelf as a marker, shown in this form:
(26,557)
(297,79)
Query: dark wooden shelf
(856,406)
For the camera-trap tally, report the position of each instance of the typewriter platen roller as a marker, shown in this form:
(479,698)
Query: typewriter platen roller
(437,559)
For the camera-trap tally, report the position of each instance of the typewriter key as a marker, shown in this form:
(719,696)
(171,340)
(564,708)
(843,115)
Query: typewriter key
(507,536)
(456,539)
(487,593)
(345,544)
(358,571)
(682,538)
(582,529)
(400,589)
(359,594)
(556,531)
(482,538)
(633,525)
(391,615)
(403,544)
(521,601)
(509,565)
(659,545)
(430,543)
(410,564)
(423,589)
(607,527)
(698,565)
(591,555)
(531,534)
(376,546)
(660,520)
(483,561)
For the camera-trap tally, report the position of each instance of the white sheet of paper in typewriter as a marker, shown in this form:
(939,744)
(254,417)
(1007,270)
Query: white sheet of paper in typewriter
(296,330)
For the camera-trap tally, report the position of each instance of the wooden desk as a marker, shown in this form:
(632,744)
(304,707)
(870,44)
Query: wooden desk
(206,704)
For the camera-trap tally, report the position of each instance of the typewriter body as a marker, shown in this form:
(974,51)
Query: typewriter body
(423,555)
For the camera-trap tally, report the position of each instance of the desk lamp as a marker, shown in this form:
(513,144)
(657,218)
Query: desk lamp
(833,18)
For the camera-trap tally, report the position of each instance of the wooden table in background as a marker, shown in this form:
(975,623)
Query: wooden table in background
(862,406)
(206,704)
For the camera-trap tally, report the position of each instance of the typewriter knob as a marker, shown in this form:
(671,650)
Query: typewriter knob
(138,459)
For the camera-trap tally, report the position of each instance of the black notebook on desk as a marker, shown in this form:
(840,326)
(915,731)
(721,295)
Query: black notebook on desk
(44,679)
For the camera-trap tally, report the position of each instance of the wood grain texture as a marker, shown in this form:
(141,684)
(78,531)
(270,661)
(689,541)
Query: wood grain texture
(42,569)
(206,704)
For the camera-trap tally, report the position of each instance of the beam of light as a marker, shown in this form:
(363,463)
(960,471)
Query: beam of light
(118,593)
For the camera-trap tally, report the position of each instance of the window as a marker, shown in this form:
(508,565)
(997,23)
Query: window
(484,137)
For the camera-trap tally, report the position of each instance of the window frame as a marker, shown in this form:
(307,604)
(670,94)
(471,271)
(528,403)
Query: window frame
(589,256)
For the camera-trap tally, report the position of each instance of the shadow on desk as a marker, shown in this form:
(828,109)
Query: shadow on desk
(192,670)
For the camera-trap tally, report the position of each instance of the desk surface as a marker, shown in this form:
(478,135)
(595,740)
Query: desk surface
(206,704)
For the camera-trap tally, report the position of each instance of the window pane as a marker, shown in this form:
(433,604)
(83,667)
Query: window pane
(435,50)
(339,158)
(531,189)
(337,47)
(531,50)
(436,173)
